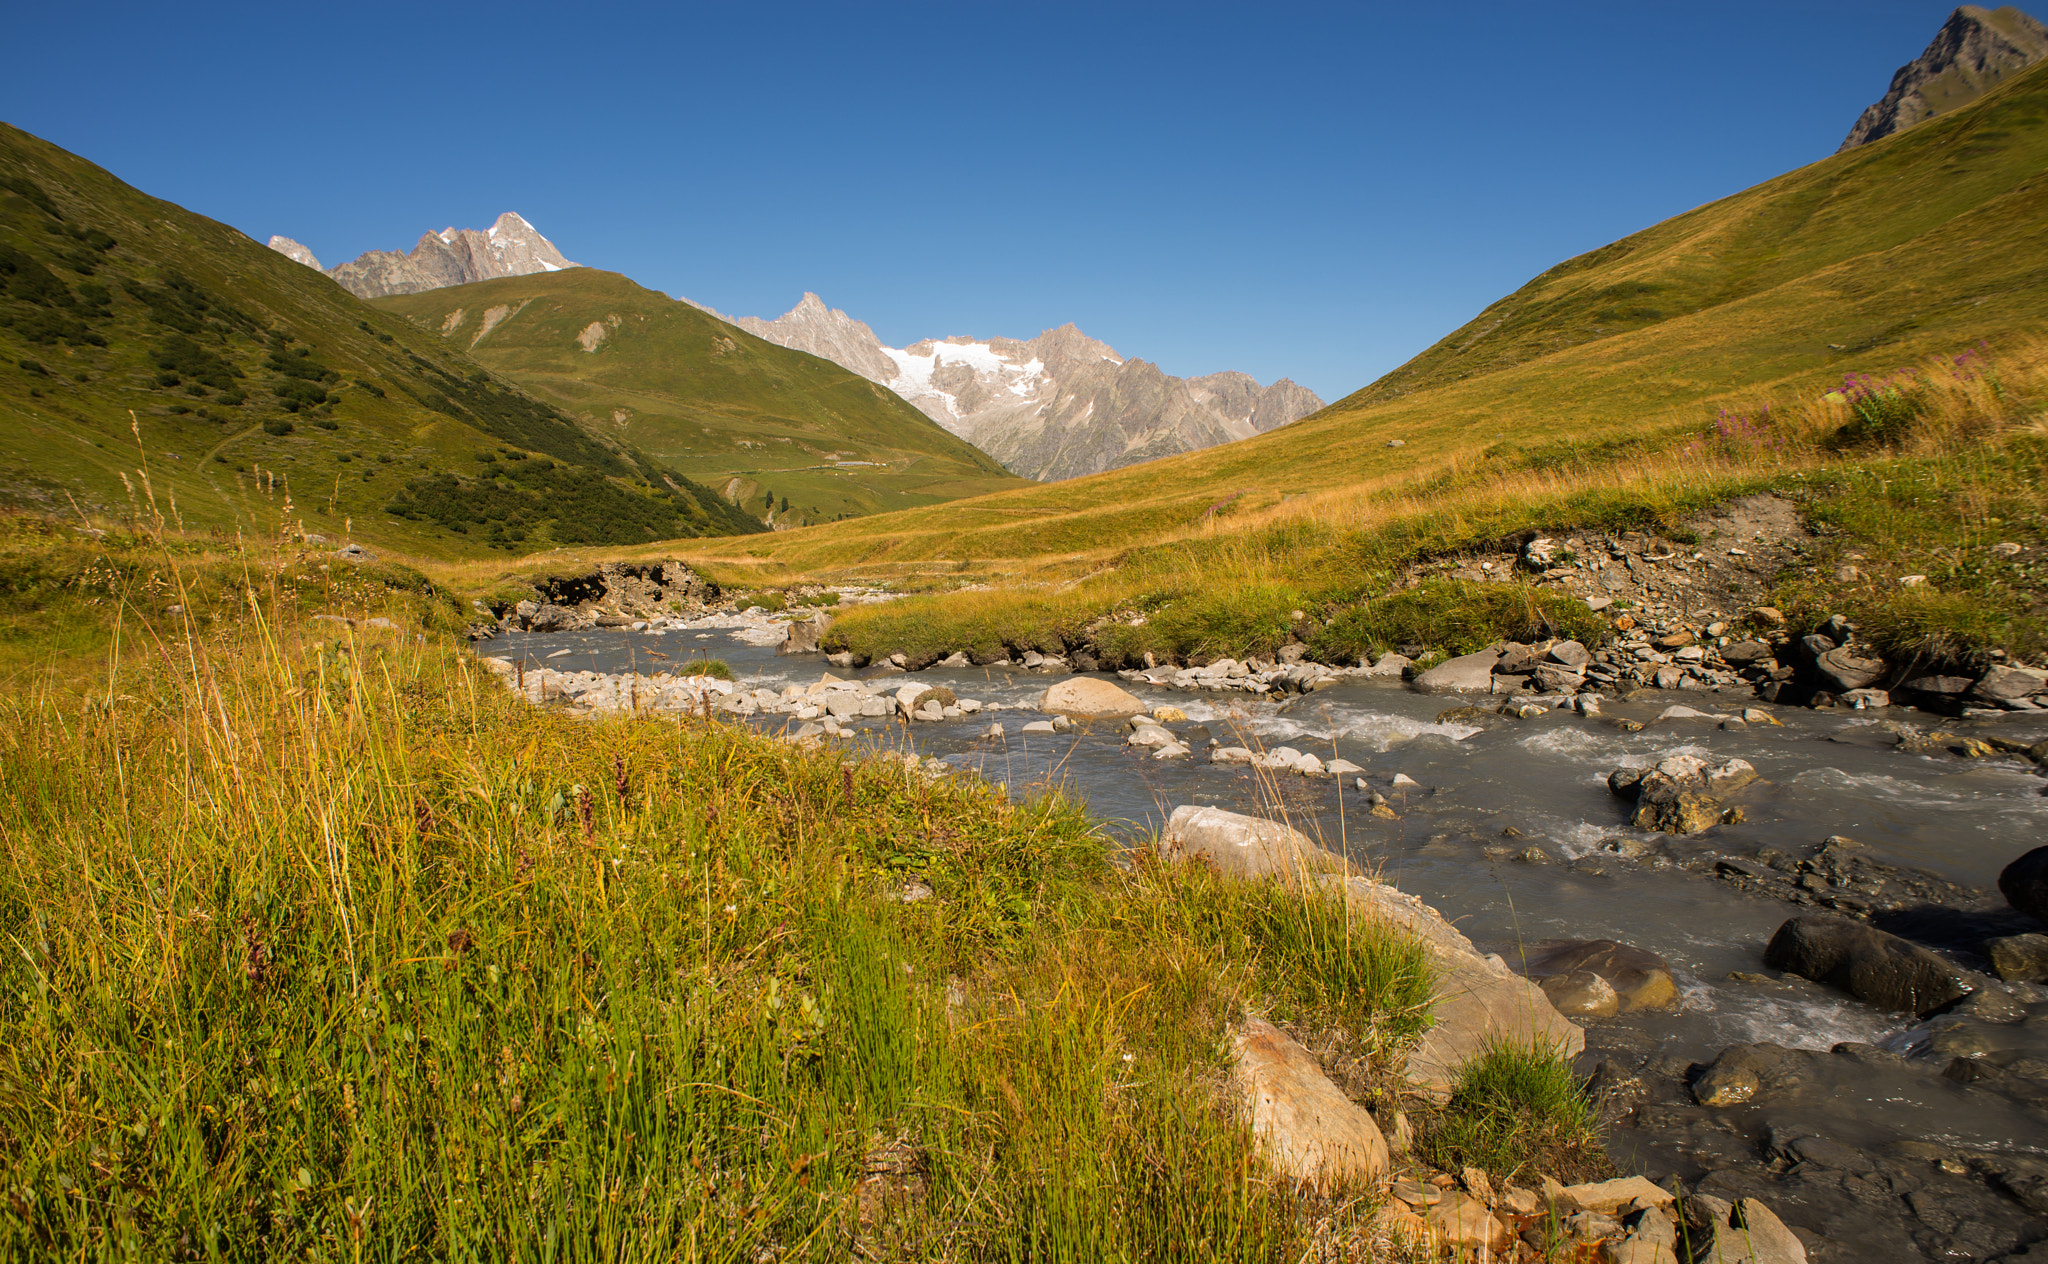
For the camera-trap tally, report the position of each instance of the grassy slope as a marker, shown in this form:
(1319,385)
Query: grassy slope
(330,947)
(1923,243)
(723,406)
(102,287)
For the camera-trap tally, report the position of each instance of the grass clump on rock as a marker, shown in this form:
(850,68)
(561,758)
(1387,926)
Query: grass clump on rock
(1516,1109)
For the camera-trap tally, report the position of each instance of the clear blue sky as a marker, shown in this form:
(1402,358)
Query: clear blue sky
(1314,191)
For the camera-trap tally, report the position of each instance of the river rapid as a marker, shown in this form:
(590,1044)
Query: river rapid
(1487,792)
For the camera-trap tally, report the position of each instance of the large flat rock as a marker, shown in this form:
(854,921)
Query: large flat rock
(1468,673)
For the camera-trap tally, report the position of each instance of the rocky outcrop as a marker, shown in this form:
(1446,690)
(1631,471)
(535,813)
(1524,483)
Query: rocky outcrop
(1974,50)
(453,256)
(1056,406)
(619,592)
(295,252)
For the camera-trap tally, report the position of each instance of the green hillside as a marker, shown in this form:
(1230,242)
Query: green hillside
(147,353)
(1922,244)
(753,420)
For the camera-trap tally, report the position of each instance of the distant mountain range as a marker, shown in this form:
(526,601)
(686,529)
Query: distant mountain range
(453,256)
(1973,51)
(1056,406)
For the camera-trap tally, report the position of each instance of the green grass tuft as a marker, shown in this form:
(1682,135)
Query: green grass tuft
(1515,1109)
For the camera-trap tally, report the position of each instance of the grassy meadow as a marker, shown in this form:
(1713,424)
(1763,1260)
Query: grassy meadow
(1920,473)
(323,946)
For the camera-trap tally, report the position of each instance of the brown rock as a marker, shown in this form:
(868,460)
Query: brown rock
(1463,1223)
(1581,994)
(1608,1197)
(1310,1132)
(1641,980)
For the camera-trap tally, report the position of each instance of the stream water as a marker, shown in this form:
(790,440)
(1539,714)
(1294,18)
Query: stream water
(1485,793)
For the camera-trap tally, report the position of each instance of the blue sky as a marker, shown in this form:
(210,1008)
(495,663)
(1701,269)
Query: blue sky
(1304,190)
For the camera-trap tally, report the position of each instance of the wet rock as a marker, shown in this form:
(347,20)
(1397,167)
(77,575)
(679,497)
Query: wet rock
(1937,693)
(1734,1078)
(1641,980)
(1581,994)
(1517,660)
(1744,653)
(1556,678)
(1680,794)
(2019,958)
(1865,962)
(2024,883)
(1246,846)
(1091,698)
(1312,1134)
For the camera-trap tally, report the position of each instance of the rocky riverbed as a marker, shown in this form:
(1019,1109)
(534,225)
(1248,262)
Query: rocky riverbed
(1505,815)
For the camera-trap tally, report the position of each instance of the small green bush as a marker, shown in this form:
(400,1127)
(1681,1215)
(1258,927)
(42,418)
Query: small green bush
(716,668)
(277,426)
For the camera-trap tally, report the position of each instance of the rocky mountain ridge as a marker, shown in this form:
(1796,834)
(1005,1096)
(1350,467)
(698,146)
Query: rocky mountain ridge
(453,256)
(1057,406)
(1972,52)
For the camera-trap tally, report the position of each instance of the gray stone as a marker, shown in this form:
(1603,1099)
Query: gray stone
(1554,678)
(1570,654)
(354,553)
(2025,884)
(2005,685)
(1480,1002)
(1091,698)
(1743,653)
(1469,673)
(1842,671)
(1871,965)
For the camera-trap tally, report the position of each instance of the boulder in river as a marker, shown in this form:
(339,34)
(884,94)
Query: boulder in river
(1312,1134)
(2019,958)
(1581,994)
(1468,673)
(2025,884)
(1640,979)
(1871,965)
(1091,698)
(1680,794)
